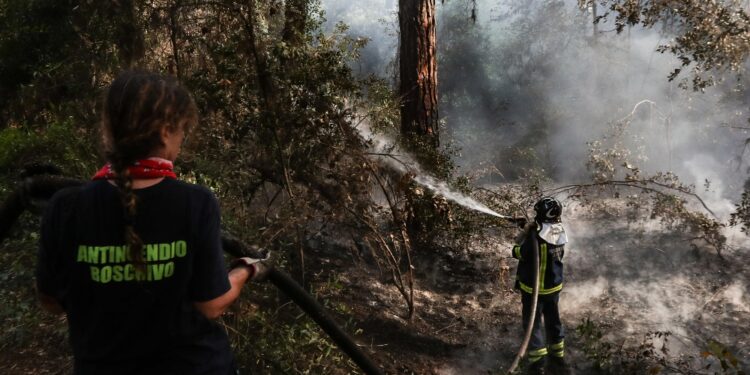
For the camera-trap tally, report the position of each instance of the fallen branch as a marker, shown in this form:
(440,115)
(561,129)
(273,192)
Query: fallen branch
(448,326)
(632,184)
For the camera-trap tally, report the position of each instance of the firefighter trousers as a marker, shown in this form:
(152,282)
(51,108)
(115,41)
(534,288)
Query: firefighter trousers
(547,311)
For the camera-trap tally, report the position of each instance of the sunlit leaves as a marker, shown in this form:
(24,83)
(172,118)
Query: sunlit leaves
(707,36)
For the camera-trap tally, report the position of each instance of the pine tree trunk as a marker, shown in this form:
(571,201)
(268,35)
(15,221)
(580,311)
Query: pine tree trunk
(595,15)
(418,69)
(129,34)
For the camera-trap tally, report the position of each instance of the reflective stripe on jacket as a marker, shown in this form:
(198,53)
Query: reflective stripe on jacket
(550,266)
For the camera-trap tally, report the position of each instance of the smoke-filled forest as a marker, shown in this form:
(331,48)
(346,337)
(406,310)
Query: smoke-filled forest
(384,158)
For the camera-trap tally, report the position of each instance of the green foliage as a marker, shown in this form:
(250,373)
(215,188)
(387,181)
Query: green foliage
(649,356)
(263,340)
(25,324)
(63,144)
(280,115)
(710,36)
(742,213)
(615,171)
(34,38)
(280,143)
(277,117)
(598,351)
(729,365)
(429,217)
(12,142)
(56,55)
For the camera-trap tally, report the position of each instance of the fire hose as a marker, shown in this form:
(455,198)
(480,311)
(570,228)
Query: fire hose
(532,315)
(35,191)
(308,304)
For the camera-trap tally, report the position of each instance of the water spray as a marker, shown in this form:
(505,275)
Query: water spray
(441,188)
(409,166)
(468,202)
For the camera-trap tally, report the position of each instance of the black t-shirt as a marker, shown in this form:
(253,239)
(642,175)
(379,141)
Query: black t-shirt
(128,321)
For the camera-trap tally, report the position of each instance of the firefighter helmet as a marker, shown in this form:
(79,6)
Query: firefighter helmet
(548,210)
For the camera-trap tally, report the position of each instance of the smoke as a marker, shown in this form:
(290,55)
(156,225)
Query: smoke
(571,87)
(736,295)
(704,167)
(529,85)
(635,279)
(391,155)
(376,20)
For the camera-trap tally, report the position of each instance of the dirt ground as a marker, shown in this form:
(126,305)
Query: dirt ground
(41,360)
(629,280)
(468,316)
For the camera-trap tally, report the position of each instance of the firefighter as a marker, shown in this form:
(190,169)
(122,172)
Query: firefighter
(551,239)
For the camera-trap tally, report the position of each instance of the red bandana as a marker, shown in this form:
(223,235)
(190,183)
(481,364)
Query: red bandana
(141,169)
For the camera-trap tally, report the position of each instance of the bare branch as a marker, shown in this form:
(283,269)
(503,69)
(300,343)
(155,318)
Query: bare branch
(632,184)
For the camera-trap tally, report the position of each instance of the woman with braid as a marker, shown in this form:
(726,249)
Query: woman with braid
(134,258)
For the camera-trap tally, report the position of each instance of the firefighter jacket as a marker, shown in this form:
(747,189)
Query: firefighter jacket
(550,265)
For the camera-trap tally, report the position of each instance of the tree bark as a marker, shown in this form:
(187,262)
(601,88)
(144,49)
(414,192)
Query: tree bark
(173,32)
(129,34)
(418,69)
(595,15)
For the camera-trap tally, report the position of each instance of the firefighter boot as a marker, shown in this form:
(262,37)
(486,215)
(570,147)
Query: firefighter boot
(557,366)
(536,367)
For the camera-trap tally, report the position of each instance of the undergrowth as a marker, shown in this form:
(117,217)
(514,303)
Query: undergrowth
(263,338)
(26,328)
(651,354)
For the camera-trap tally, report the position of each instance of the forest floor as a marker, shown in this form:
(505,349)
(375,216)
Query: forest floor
(628,280)
(631,282)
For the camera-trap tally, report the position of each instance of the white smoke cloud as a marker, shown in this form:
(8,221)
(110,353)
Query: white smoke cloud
(498,81)
(587,86)
(372,19)
(401,161)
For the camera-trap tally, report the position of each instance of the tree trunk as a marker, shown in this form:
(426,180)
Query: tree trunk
(129,37)
(173,33)
(418,69)
(595,16)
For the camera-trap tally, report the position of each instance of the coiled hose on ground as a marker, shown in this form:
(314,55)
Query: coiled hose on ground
(35,191)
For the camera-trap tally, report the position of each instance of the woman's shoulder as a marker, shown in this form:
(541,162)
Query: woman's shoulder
(166,189)
(173,190)
(189,188)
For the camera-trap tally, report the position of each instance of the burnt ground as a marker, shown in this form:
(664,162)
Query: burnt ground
(468,316)
(41,360)
(628,279)
(43,351)
(464,313)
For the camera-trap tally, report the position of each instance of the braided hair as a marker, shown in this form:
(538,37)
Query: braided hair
(137,107)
